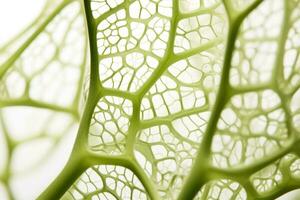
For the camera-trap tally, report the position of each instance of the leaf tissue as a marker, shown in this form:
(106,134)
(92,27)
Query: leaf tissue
(152,100)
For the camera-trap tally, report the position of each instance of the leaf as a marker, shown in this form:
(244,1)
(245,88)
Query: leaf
(184,99)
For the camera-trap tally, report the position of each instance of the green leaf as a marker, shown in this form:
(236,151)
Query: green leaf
(182,99)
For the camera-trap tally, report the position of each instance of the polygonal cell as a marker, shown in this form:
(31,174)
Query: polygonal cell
(251,126)
(56,54)
(164,8)
(166,156)
(142,9)
(107,182)
(113,34)
(138,28)
(127,73)
(109,125)
(187,87)
(267,179)
(255,51)
(202,69)
(222,189)
(194,31)
(156,36)
(167,97)
(131,42)
(99,7)
(192,126)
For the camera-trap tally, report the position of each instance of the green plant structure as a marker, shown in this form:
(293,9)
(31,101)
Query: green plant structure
(152,99)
